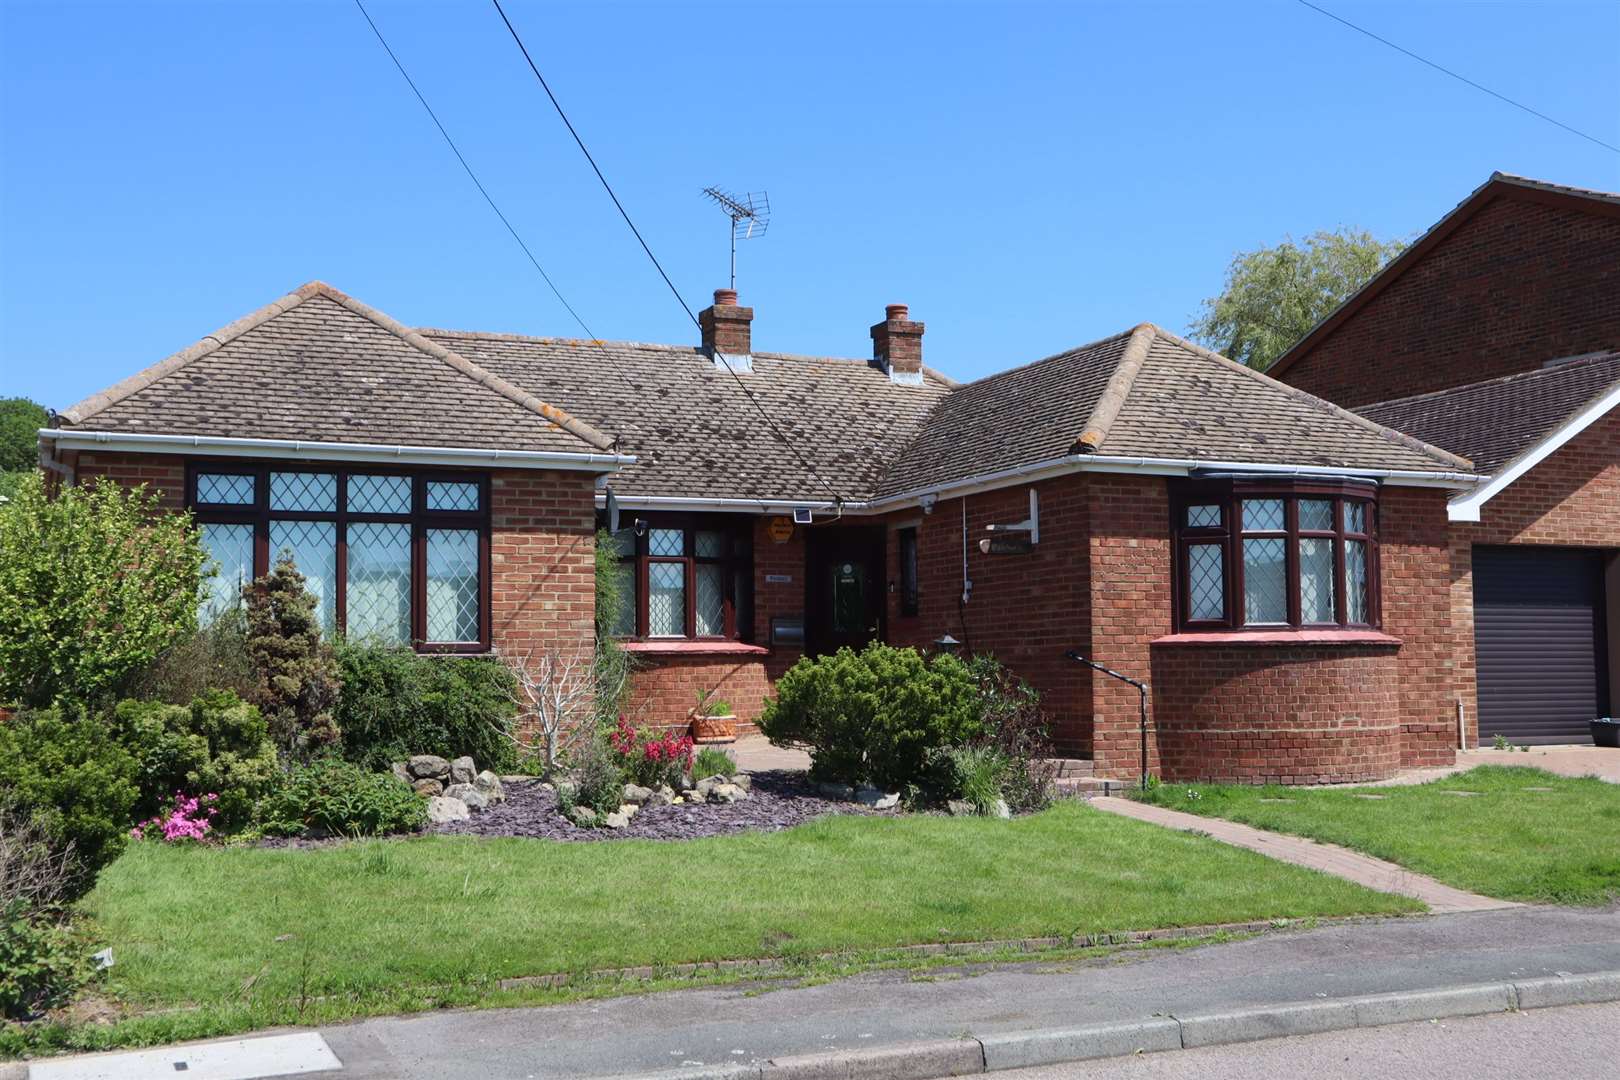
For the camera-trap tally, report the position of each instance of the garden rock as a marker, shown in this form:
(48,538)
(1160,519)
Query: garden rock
(617,821)
(876,799)
(462,770)
(489,786)
(429,767)
(726,793)
(1001,810)
(583,816)
(635,793)
(836,791)
(664,796)
(628,809)
(398,769)
(441,809)
(961,808)
(430,788)
(468,794)
(744,781)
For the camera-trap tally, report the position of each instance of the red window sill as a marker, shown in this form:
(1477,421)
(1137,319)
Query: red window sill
(695,648)
(1279,638)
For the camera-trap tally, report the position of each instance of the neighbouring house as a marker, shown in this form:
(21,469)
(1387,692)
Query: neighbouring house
(1275,567)
(1496,335)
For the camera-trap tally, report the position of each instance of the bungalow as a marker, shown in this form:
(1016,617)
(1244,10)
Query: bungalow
(1497,336)
(1275,567)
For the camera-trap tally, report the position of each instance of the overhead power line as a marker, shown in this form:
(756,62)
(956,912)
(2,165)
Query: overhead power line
(690,314)
(1465,80)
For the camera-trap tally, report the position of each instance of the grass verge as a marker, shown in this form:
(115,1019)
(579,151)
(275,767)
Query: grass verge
(1511,832)
(248,938)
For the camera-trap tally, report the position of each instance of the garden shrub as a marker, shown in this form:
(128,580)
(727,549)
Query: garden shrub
(219,744)
(650,759)
(297,675)
(875,716)
(394,703)
(94,584)
(42,958)
(69,775)
(1017,728)
(332,797)
(712,762)
(612,667)
(597,778)
(976,774)
(214,658)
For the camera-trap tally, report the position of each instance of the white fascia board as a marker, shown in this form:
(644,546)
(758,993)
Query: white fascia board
(1466,507)
(306,450)
(723,506)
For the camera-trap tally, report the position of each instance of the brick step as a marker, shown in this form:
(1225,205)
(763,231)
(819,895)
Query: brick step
(1087,787)
(1072,767)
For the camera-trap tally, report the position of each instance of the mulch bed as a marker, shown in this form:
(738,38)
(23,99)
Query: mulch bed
(779,800)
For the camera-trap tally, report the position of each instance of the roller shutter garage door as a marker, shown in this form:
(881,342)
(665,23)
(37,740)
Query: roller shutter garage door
(1539,643)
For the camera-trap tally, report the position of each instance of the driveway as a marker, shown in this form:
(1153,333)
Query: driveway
(1599,761)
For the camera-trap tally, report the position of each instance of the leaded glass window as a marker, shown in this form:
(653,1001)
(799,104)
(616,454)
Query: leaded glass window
(685,576)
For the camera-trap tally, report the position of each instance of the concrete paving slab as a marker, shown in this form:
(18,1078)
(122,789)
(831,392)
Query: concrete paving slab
(1020,1049)
(298,1054)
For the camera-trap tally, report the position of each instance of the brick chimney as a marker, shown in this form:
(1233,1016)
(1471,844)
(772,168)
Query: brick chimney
(726,336)
(897,346)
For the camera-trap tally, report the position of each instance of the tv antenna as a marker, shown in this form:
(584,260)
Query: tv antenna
(749,215)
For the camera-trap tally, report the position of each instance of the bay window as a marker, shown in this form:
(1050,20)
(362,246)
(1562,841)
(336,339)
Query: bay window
(685,577)
(1259,555)
(394,556)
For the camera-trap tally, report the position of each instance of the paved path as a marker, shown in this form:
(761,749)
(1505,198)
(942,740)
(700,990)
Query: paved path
(1572,1043)
(754,754)
(1328,858)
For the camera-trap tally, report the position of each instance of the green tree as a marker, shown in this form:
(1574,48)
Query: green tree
(20,418)
(1274,296)
(298,672)
(94,584)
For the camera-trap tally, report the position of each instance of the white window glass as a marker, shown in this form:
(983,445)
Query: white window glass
(1355,517)
(711,599)
(666,599)
(451,495)
(1203,517)
(666,542)
(1263,515)
(1355,581)
(379,581)
(452,585)
(313,545)
(225,489)
(307,492)
(1265,583)
(230,554)
(1316,515)
(1315,577)
(1206,582)
(379,494)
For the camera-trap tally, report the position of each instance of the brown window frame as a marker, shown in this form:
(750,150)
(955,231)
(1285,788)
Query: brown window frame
(420,519)
(1229,495)
(737,564)
(906,538)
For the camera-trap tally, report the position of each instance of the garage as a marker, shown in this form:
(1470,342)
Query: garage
(1540,643)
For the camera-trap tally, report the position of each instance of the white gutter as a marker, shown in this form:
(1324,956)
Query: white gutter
(1466,507)
(306,450)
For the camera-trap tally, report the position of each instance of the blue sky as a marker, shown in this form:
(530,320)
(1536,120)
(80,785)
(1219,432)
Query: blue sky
(1026,176)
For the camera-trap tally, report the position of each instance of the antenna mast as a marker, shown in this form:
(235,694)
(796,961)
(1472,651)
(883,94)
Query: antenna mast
(749,214)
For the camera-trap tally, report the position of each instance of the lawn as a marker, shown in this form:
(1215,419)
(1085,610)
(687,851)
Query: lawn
(259,931)
(1523,834)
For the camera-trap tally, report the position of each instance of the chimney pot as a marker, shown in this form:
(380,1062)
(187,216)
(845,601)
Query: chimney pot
(725,298)
(897,346)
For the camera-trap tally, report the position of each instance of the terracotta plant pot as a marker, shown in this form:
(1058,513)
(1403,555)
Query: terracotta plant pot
(714,729)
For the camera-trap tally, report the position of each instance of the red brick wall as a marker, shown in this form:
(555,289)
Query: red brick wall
(542,561)
(1520,283)
(164,473)
(1572,499)
(1280,715)
(1415,570)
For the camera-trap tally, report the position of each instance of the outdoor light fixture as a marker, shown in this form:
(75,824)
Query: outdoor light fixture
(947,644)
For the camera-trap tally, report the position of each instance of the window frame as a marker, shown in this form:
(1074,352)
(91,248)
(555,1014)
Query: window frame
(737,611)
(906,548)
(420,519)
(1229,495)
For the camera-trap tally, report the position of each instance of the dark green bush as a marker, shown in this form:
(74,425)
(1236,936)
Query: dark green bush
(76,781)
(875,716)
(712,762)
(218,744)
(331,797)
(43,960)
(297,678)
(1017,731)
(395,703)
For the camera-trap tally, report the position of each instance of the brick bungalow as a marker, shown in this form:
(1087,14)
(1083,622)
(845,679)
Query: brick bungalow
(1276,567)
(1497,336)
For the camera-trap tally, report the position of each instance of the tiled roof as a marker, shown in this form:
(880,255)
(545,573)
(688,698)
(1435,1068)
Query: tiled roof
(320,366)
(1495,421)
(694,432)
(1146,393)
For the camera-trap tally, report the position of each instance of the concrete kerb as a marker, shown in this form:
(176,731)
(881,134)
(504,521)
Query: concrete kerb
(1020,1049)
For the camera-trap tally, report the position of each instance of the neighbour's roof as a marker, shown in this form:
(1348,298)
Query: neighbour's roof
(318,365)
(697,431)
(1146,393)
(1500,185)
(1494,421)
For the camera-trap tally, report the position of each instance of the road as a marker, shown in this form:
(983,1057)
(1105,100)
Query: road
(1575,1043)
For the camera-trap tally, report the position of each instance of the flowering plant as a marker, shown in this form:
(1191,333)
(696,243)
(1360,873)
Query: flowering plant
(190,818)
(650,759)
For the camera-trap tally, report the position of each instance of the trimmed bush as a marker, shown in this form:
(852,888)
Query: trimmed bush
(394,703)
(76,781)
(297,678)
(219,744)
(94,584)
(331,797)
(875,716)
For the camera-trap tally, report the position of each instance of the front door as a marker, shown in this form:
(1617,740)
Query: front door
(845,583)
